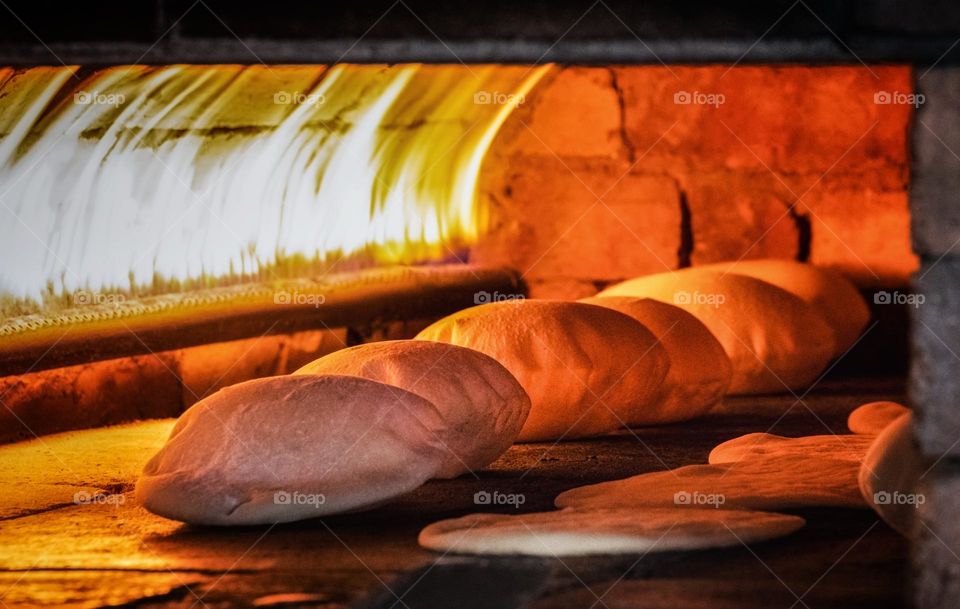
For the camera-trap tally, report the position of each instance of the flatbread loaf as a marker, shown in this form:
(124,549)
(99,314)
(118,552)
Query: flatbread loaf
(601,531)
(833,296)
(482,407)
(890,476)
(774,339)
(588,370)
(874,417)
(768,483)
(700,371)
(286,448)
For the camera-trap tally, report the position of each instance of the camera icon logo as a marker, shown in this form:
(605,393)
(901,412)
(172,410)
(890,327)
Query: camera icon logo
(882,498)
(482,297)
(882,97)
(482,498)
(282,498)
(682,297)
(882,297)
(482,97)
(683,98)
(682,498)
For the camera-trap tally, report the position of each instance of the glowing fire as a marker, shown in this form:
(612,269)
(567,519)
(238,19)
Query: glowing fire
(137,174)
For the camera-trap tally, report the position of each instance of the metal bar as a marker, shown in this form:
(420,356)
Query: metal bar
(825,49)
(161,323)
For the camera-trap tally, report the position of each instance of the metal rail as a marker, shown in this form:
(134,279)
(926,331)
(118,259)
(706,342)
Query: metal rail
(161,323)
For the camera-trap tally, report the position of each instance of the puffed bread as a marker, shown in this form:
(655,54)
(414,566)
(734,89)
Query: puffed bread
(588,370)
(482,407)
(286,448)
(775,340)
(833,296)
(700,371)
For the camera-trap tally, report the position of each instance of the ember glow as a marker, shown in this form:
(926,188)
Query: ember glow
(131,176)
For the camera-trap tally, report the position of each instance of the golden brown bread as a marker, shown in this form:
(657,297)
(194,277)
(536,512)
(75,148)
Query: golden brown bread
(775,340)
(700,370)
(482,407)
(833,296)
(588,370)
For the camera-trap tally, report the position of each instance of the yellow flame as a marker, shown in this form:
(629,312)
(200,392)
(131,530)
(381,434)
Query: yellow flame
(135,173)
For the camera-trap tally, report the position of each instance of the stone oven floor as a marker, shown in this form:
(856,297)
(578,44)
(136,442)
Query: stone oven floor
(55,552)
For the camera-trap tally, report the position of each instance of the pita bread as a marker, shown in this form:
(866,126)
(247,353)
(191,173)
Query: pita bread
(873,417)
(890,476)
(846,447)
(833,296)
(601,531)
(769,483)
(588,370)
(292,447)
(700,370)
(774,339)
(482,407)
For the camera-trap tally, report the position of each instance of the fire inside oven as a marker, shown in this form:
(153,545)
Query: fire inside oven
(317,335)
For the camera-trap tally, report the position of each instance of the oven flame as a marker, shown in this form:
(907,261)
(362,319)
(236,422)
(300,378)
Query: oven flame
(132,177)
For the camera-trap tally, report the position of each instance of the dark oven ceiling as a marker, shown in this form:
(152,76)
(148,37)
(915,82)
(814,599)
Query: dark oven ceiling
(586,31)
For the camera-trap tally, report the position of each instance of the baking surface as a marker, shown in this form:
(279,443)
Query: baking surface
(111,552)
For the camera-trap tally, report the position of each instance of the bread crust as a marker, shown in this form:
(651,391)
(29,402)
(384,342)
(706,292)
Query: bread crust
(286,448)
(588,370)
(481,406)
(774,339)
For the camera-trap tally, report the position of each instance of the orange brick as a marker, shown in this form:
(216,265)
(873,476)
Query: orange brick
(546,222)
(574,112)
(863,233)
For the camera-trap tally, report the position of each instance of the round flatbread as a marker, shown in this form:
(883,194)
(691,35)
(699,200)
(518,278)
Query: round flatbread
(846,447)
(482,407)
(769,483)
(700,371)
(292,447)
(833,296)
(605,531)
(873,417)
(890,476)
(588,370)
(774,340)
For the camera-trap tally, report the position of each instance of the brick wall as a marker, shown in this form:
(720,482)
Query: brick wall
(606,173)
